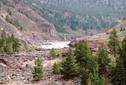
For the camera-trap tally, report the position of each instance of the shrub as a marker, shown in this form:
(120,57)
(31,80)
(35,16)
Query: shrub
(53,53)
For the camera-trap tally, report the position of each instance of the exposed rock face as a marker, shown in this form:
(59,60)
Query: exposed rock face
(25,23)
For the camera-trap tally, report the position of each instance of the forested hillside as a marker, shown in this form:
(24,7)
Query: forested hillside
(88,15)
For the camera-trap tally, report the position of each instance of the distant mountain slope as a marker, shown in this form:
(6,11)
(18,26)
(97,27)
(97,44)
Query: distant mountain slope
(120,28)
(92,16)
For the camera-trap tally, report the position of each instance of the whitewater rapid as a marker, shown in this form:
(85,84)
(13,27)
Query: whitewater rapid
(56,45)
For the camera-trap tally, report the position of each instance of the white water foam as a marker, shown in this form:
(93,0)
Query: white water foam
(56,45)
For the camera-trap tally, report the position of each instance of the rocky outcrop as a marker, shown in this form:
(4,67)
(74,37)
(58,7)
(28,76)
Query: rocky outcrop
(19,19)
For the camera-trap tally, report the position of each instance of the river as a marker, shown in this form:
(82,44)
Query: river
(56,45)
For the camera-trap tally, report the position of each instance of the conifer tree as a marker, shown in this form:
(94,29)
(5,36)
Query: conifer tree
(69,67)
(56,68)
(97,80)
(8,44)
(84,75)
(123,53)
(119,73)
(82,53)
(95,77)
(3,42)
(38,70)
(103,61)
(16,43)
(113,43)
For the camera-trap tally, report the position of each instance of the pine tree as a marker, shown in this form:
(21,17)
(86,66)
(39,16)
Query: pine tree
(3,42)
(97,80)
(38,70)
(82,53)
(9,44)
(16,43)
(123,53)
(95,77)
(84,75)
(56,68)
(69,67)
(119,73)
(113,43)
(103,61)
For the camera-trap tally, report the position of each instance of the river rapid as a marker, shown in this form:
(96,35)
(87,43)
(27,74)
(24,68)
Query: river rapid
(56,45)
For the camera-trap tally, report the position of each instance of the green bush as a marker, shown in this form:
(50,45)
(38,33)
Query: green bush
(54,53)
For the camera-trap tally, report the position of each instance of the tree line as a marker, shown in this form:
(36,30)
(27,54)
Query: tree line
(9,44)
(99,68)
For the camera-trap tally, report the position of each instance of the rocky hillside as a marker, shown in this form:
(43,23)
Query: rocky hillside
(19,19)
(38,20)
